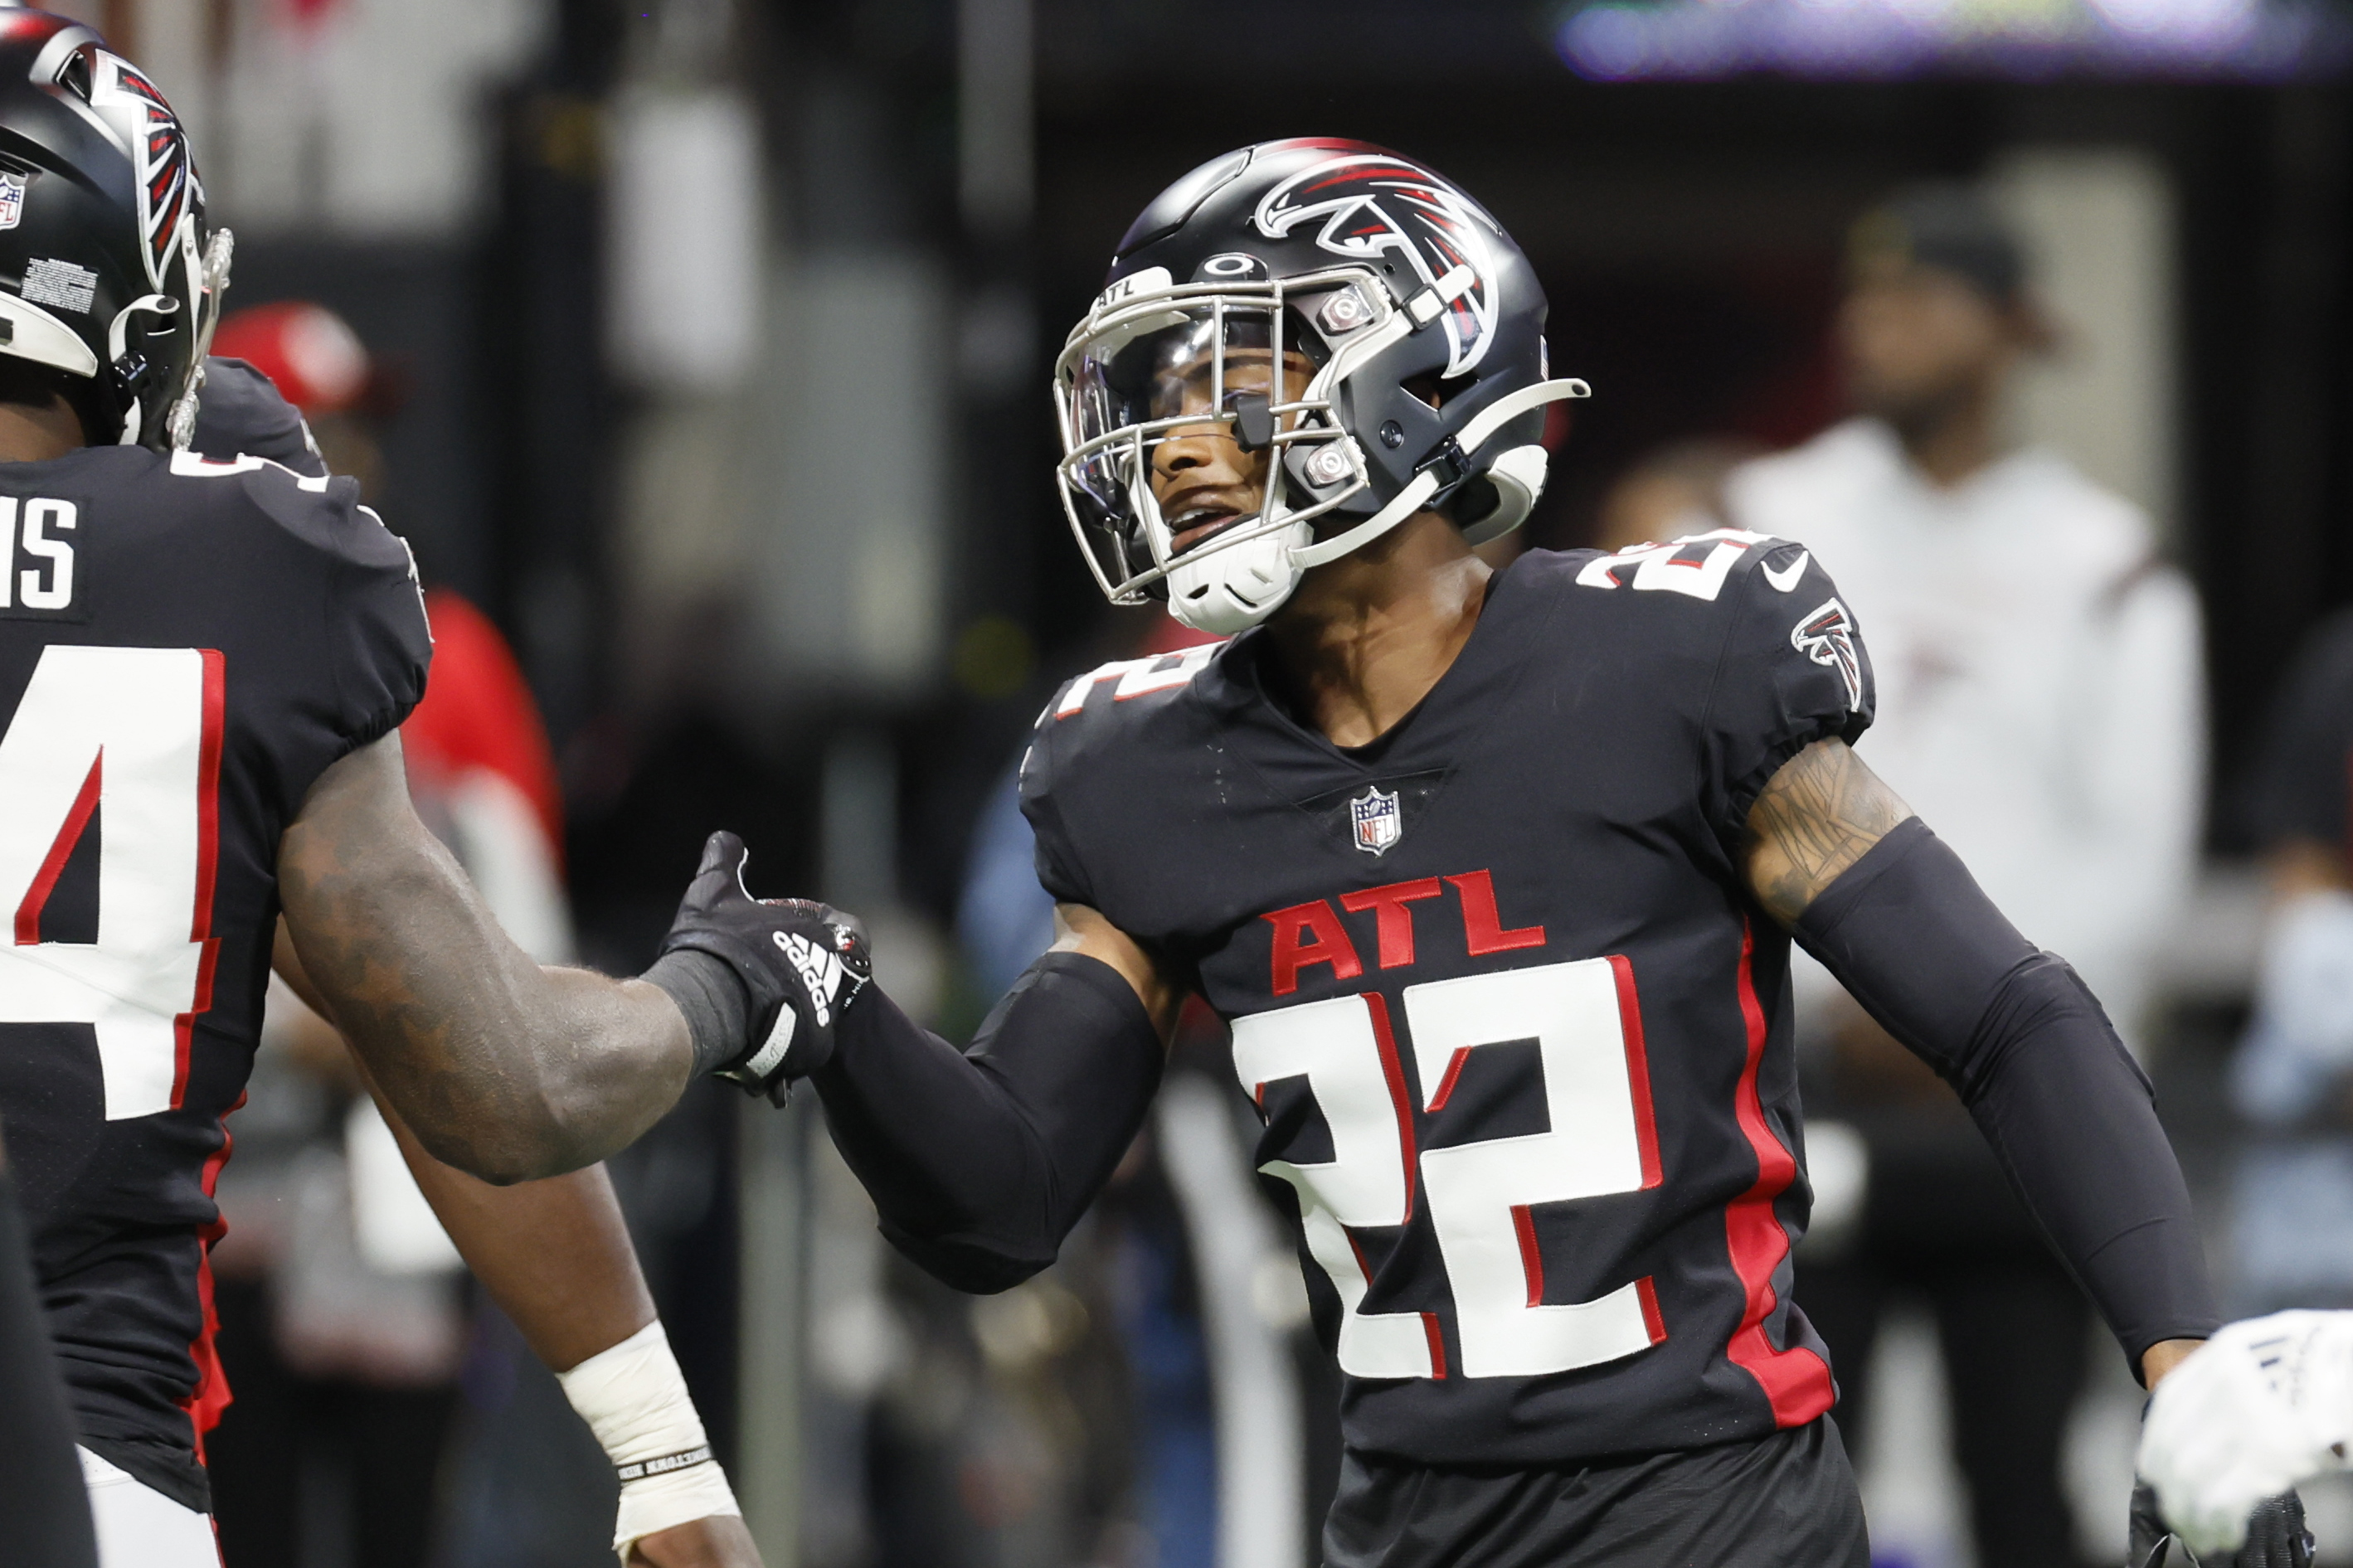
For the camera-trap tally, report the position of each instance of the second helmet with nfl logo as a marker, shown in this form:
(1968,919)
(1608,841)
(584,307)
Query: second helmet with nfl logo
(109,271)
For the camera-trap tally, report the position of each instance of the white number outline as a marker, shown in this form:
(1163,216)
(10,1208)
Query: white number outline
(1659,567)
(1603,1140)
(135,735)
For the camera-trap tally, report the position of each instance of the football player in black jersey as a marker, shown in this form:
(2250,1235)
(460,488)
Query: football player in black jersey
(203,668)
(1493,875)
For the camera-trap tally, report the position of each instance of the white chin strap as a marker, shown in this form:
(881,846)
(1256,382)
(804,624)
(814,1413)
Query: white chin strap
(1424,484)
(1231,590)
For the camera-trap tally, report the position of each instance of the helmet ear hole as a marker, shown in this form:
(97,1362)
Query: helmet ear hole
(74,74)
(1428,387)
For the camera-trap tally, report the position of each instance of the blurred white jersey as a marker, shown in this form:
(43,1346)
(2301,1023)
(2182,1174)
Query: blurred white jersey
(2041,690)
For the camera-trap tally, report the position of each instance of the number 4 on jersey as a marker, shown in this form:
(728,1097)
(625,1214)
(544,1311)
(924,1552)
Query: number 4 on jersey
(132,737)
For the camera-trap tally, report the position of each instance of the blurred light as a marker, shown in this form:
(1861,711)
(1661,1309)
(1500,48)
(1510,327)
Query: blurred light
(2244,41)
(683,210)
(997,340)
(996,132)
(994,657)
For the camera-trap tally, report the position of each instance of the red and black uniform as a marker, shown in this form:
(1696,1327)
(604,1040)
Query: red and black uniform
(1521,1039)
(184,646)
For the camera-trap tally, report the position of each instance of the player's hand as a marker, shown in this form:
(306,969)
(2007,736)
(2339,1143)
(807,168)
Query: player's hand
(719,1541)
(2270,1535)
(800,962)
(2257,1408)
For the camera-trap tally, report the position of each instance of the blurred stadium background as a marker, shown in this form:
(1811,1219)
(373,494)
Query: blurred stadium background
(710,344)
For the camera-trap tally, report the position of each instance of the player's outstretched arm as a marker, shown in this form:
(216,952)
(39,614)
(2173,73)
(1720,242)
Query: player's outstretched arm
(1835,855)
(504,1068)
(981,1160)
(1819,815)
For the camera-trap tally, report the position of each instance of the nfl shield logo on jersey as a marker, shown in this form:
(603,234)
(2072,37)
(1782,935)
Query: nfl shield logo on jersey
(12,200)
(1377,820)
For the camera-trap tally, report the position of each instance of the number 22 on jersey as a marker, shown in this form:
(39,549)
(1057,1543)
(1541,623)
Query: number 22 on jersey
(132,737)
(1586,1024)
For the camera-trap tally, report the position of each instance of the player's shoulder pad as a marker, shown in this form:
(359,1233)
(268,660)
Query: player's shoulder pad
(1714,567)
(1103,711)
(241,412)
(1124,689)
(1778,600)
(321,511)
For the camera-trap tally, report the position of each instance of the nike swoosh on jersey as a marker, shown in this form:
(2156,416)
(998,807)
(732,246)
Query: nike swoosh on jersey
(1786,579)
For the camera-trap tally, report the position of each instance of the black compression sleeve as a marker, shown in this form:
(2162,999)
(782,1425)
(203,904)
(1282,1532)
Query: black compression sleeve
(2069,1113)
(980,1161)
(41,1494)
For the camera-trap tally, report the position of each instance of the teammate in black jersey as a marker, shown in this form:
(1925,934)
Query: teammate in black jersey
(203,667)
(1493,875)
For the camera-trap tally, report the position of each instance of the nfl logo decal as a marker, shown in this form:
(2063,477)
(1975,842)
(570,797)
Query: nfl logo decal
(1377,820)
(12,199)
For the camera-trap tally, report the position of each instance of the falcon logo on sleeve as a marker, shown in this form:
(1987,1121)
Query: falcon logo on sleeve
(1827,636)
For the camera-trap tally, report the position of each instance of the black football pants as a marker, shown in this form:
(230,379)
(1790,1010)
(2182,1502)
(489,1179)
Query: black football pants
(1783,1501)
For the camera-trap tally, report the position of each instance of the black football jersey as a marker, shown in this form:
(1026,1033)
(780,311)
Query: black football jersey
(1519,1038)
(184,646)
(241,414)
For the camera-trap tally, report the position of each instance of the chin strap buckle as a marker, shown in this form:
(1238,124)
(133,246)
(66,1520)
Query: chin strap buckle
(1448,465)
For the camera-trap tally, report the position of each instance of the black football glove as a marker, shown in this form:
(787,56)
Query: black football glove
(2276,1537)
(800,963)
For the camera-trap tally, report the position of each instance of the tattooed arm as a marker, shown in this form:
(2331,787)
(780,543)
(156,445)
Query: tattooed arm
(1836,856)
(1816,818)
(503,1068)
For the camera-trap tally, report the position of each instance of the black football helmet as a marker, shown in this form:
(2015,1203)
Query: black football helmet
(108,269)
(1410,333)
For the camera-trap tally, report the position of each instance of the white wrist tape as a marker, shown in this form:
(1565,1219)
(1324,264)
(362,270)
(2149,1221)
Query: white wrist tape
(634,1399)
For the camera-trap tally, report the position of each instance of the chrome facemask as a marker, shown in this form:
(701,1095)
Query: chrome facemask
(1156,362)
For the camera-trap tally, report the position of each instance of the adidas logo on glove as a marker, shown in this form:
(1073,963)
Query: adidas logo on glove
(820,972)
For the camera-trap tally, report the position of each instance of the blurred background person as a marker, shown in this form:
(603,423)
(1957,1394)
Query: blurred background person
(1671,491)
(2292,1079)
(2042,691)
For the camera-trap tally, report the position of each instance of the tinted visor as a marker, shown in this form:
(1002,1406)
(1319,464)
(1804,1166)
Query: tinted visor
(1173,373)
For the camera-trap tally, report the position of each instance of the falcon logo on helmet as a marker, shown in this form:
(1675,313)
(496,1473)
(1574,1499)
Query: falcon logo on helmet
(1372,350)
(1372,203)
(108,201)
(1827,636)
(159,154)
